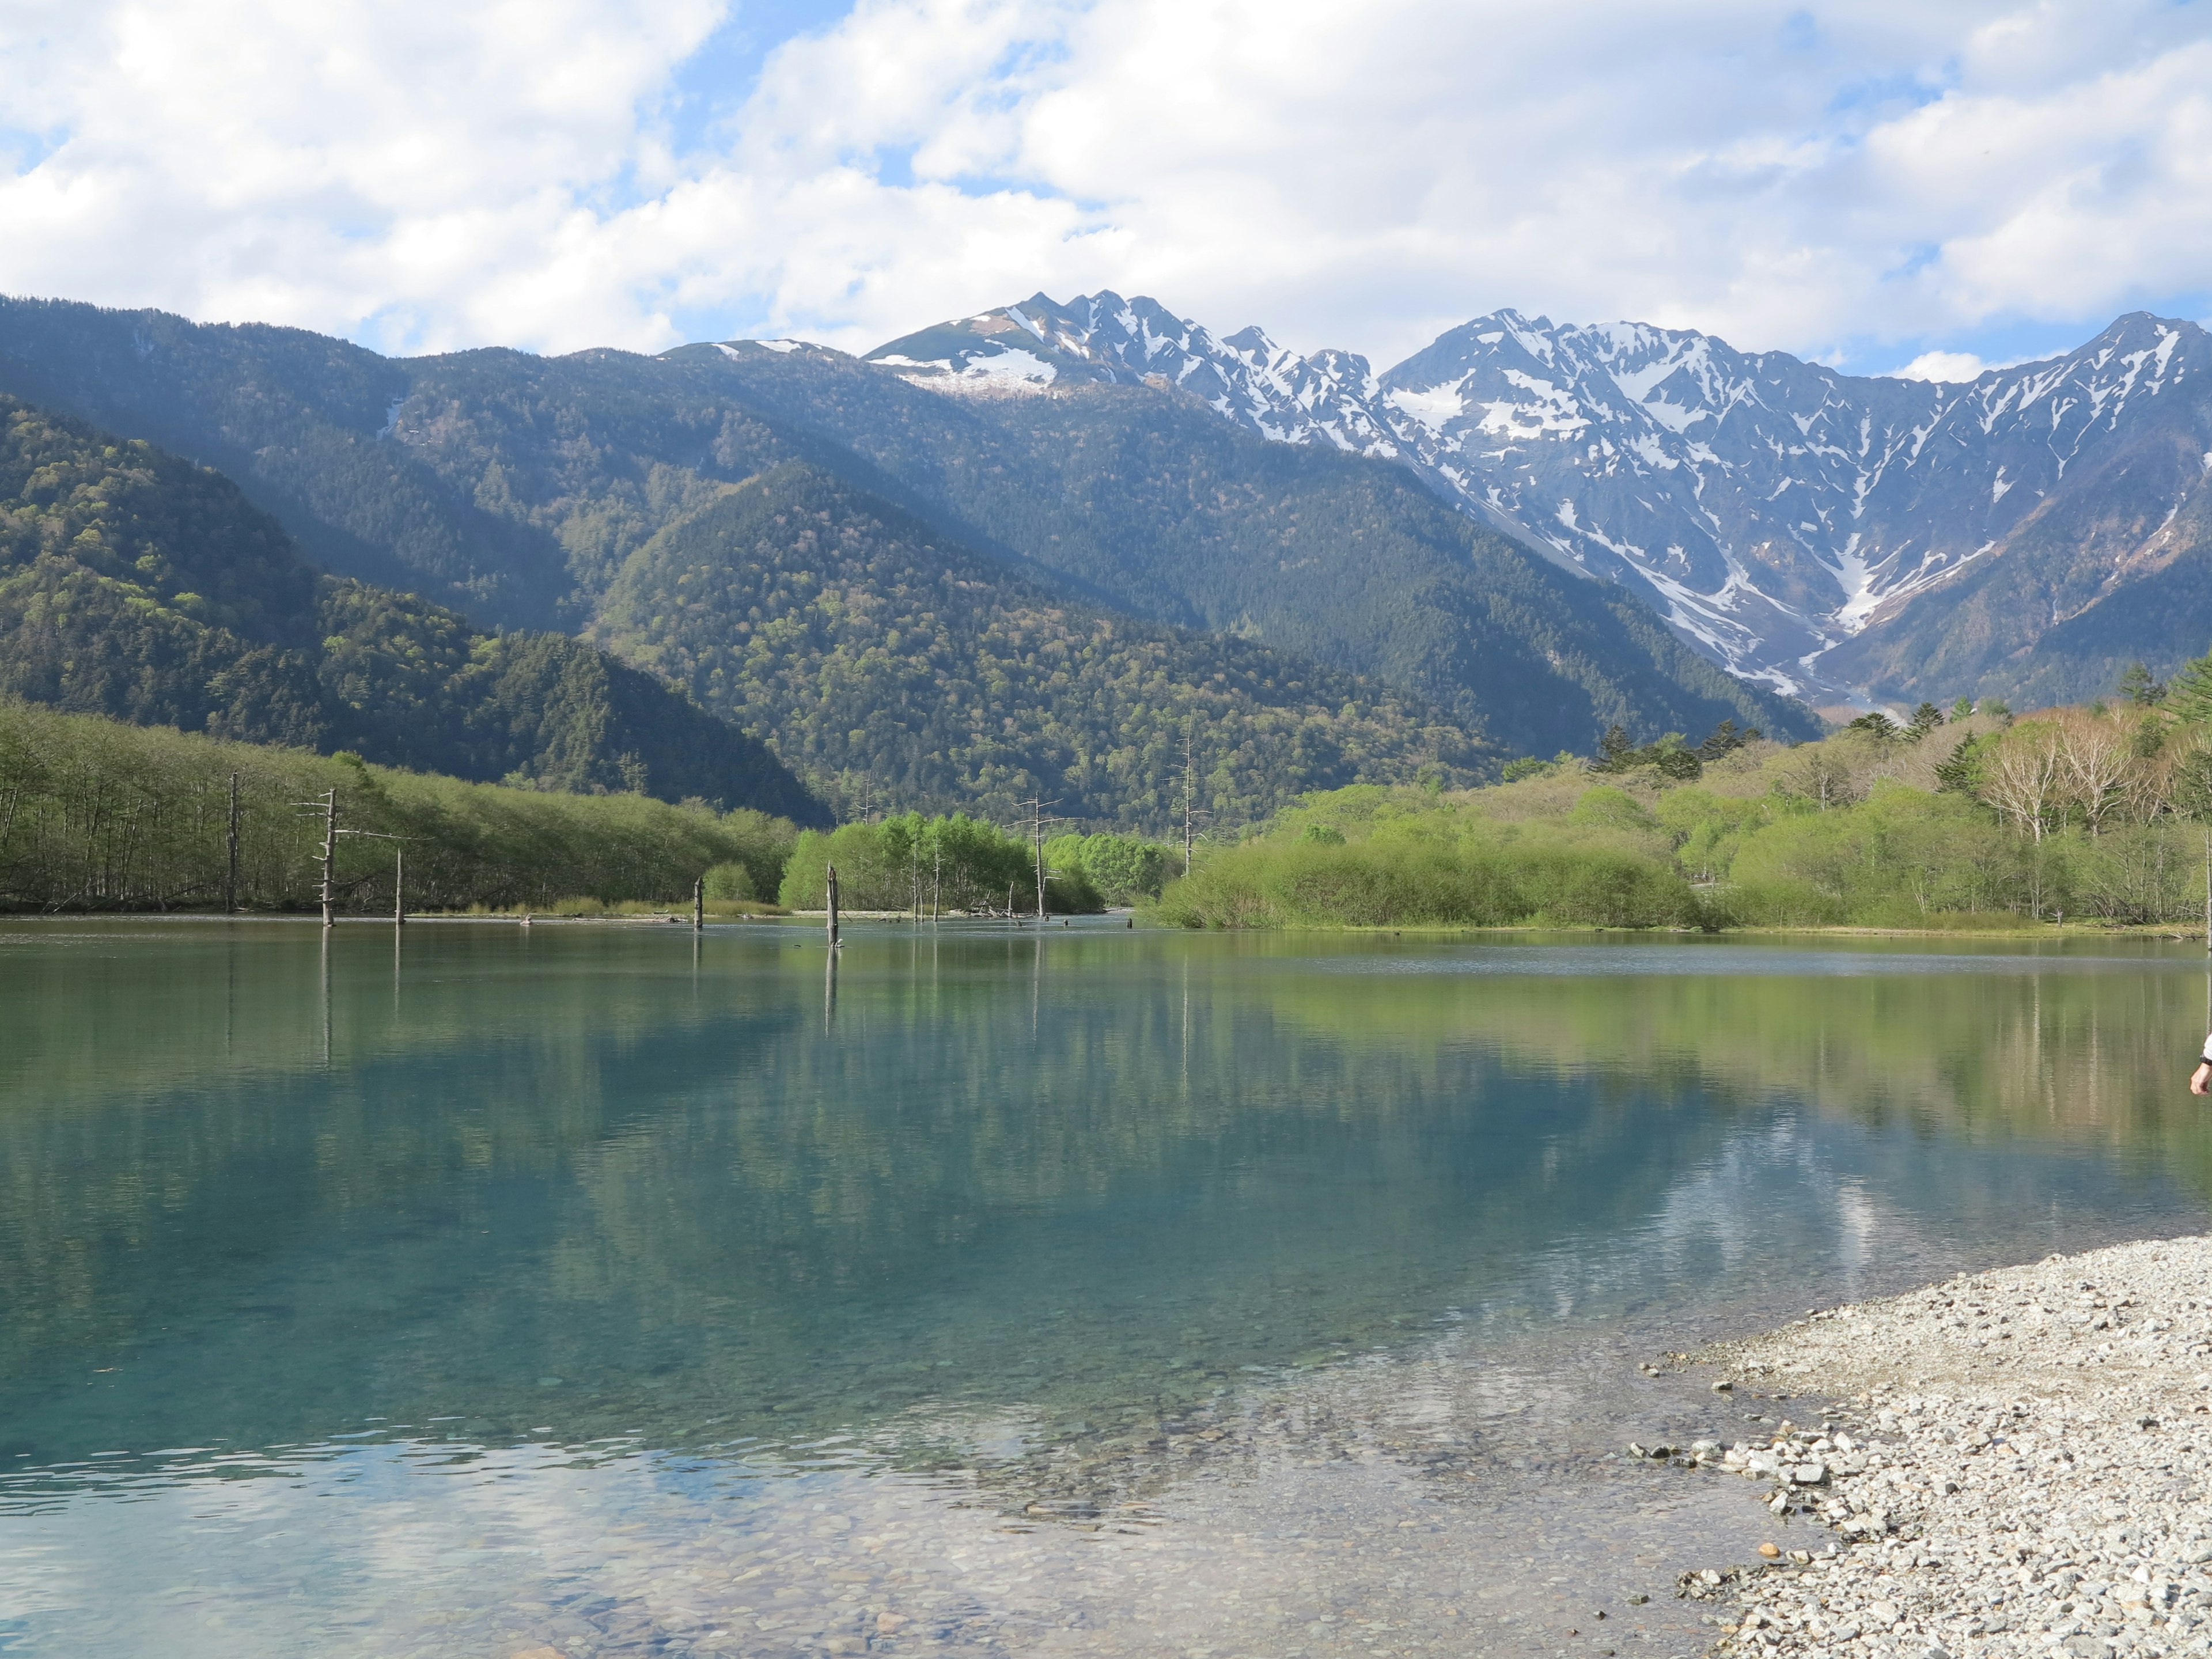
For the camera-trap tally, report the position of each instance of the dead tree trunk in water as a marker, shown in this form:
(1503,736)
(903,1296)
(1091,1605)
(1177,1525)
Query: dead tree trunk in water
(834,941)
(230,875)
(1037,843)
(329,854)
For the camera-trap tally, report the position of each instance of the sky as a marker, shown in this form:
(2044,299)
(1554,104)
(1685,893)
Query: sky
(1885,185)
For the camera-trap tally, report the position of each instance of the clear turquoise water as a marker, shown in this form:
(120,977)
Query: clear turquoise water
(609,1291)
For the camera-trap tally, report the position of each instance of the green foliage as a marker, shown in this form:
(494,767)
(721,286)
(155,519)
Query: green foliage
(1966,772)
(1410,882)
(1615,752)
(135,584)
(2139,686)
(1671,755)
(1613,808)
(887,665)
(2078,813)
(729,882)
(952,863)
(1725,739)
(1121,869)
(1708,829)
(2189,694)
(99,815)
(1893,859)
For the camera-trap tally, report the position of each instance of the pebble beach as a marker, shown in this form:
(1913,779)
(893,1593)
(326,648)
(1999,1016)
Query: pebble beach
(2010,1463)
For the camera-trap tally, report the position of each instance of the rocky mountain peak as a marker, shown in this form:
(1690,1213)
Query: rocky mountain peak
(1771,507)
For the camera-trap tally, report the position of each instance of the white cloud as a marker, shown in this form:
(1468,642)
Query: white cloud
(463,173)
(1954,366)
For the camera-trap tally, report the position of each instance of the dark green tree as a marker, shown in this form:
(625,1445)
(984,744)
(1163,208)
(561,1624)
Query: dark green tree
(1726,737)
(1615,753)
(1877,725)
(1963,772)
(2140,687)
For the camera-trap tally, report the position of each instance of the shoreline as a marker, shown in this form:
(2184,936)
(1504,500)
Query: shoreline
(2007,1462)
(2154,933)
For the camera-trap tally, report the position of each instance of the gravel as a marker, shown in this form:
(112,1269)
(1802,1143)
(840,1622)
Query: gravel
(2010,1463)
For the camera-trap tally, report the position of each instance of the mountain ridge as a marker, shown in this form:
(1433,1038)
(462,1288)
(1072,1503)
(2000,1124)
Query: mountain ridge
(514,488)
(1787,519)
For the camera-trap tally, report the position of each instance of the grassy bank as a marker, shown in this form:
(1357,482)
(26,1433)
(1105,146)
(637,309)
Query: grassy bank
(99,815)
(1979,822)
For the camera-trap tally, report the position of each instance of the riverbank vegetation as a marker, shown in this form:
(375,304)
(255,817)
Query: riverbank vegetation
(98,815)
(1975,819)
(95,815)
(931,866)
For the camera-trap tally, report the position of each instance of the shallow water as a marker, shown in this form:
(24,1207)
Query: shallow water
(606,1289)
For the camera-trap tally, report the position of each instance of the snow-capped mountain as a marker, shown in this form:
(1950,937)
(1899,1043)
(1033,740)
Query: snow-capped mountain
(1246,377)
(1775,510)
(1774,506)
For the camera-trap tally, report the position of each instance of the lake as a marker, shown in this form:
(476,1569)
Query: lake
(588,1290)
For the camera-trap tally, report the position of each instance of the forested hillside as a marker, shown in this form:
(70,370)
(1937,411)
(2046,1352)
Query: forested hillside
(136,585)
(516,486)
(1148,499)
(896,668)
(95,815)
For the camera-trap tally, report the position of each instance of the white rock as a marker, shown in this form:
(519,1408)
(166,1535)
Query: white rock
(2025,1464)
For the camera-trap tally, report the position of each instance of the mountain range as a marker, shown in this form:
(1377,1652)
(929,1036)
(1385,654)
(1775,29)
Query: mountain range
(1836,538)
(911,599)
(1018,554)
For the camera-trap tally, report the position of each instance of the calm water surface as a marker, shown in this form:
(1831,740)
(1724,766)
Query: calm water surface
(598,1290)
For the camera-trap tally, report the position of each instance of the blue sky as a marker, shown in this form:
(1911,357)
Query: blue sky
(1867,183)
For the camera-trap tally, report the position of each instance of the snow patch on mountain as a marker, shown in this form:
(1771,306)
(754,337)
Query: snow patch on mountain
(1770,507)
(994,370)
(1430,409)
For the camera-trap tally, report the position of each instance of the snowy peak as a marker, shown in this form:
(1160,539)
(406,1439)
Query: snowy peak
(1246,377)
(2133,361)
(1772,509)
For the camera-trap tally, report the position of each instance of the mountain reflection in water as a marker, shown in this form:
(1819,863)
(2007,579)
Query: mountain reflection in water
(1040,1226)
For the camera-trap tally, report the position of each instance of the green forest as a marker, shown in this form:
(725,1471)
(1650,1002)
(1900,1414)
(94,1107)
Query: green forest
(894,670)
(95,815)
(136,585)
(1965,819)
(98,815)
(1154,503)
(952,863)
(822,634)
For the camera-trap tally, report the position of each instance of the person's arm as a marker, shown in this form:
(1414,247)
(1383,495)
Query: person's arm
(2200,1080)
